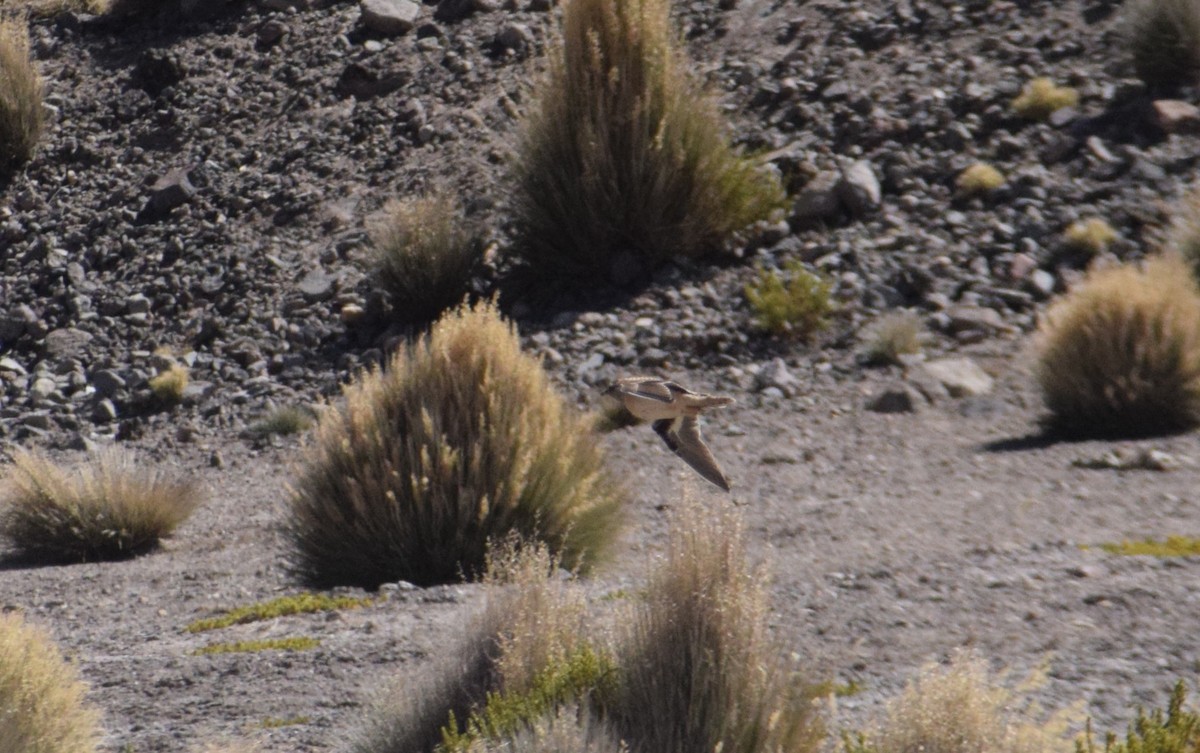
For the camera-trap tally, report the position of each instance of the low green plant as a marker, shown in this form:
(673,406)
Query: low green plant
(42,707)
(570,729)
(1163,37)
(424,253)
(581,674)
(275,722)
(168,385)
(891,336)
(979,178)
(961,708)
(1041,97)
(1092,236)
(698,669)
(1176,732)
(108,508)
(795,304)
(21,118)
(285,420)
(266,644)
(1120,355)
(1172,546)
(460,442)
(283,606)
(623,161)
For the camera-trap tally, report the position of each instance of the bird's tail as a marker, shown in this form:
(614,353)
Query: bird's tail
(712,401)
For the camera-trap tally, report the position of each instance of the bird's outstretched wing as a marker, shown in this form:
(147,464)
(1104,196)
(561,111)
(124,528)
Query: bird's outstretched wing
(682,437)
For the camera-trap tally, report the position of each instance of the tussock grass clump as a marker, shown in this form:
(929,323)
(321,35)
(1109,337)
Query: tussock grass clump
(570,730)
(1121,354)
(523,655)
(891,336)
(622,162)
(42,706)
(424,254)
(168,385)
(107,509)
(1184,236)
(303,603)
(285,420)
(1163,37)
(1092,236)
(795,304)
(301,643)
(21,117)
(698,668)
(961,708)
(1172,546)
(979,178)
(1177,732)
(460,442)
(1041,97)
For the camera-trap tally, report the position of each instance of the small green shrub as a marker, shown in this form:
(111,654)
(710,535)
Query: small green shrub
(266,644)
(424,253)
(303,603)
(462,441)
(1172,546)
(275,722)
(961,709)
(21,119)
(1092,236)
(698,668)
(1120,355)
(106,509)
(287,419)
(623,162)
(891,336)
(534,620)
(798,307)
(168,385)
(1041,97)
(571,729)
(1163,37)
(979,178)
(42,707)
(1178,732)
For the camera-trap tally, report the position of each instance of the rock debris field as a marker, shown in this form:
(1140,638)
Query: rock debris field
(202,194)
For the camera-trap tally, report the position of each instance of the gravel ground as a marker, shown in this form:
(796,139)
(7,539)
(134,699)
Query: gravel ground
(894,537)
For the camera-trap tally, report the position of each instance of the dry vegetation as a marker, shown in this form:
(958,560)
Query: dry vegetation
(425,254)
(109,508)
(460,442)
(42,707)
(892,336)
(21,117)
(1121,354)
(621,164)
(1163,37)
(979,178)
(1041,97)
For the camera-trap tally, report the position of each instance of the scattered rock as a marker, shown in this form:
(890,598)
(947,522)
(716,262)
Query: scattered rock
(900,398)
(1141,459)
(775,375)
(170,191)
(1176,116)
(389,17)
(961,377)
(858,189)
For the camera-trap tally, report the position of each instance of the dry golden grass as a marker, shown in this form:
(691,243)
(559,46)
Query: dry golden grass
(168,385)
(424,253)
(109,508)
(461,441)
(1163,37)
(1041,97)
(979,178)
(895,334)
(532,618)
(1092,236)
(961,708)
(42,707)
(623,161)
(21,117)
(699,670)
(1121,354)
(1184,236)
(571,729)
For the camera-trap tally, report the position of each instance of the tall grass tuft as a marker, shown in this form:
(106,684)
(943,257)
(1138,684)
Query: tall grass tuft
(623,162)
(42,706)
(571,729)
(1184,236)
(460,442)
(424,254)
(107,509)
(961,708)
(1163,37)
(21,118)
(1121,354)
(699,670)
(533,621)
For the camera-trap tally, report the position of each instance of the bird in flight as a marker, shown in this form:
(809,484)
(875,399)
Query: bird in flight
(674,412)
